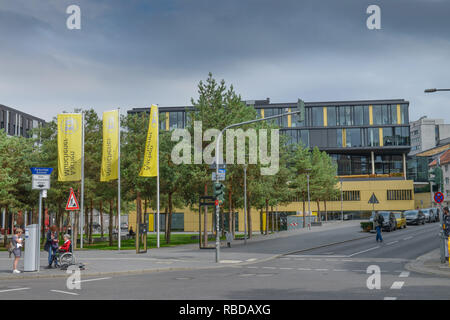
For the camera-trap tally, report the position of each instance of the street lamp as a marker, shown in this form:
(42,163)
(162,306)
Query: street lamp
(217,166)
(441,233)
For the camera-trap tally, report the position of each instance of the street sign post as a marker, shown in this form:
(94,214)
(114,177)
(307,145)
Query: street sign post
(40,180)
(72,203)
(221,175)
(438,197)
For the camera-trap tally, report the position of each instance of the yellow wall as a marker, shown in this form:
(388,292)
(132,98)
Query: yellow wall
(425,197)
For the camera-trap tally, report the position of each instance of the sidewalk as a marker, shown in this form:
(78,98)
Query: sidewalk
(184,257)
(430,263)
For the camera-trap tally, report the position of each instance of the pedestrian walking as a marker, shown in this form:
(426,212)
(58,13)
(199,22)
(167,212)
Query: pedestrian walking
(446,229)
(17,244)
(378,223)
(51,245)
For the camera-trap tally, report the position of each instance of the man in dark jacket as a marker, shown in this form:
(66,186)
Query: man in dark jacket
(378,224)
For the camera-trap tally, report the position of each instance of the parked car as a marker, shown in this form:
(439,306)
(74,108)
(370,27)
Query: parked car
(435,214)
(428,213)
(389,223)
(401,220)
(437,210)
(414,217)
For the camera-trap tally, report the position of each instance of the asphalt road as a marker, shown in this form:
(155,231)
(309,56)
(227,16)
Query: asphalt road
(331,272)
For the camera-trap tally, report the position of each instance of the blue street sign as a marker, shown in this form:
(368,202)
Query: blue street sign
(438,197)
(41,171)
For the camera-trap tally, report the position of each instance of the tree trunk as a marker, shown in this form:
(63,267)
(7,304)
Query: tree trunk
(205,221)
(249,217)
(101,218)
(169,220)
(91,221)
(267,217)
(319,218)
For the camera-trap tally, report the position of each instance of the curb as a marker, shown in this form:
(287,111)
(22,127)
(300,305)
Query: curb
(419,266)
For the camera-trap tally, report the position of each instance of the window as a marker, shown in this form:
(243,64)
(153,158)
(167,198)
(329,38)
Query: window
(292,136)
(373,137)
(399,194)
(388,138)
(447,180)
(304,137)
(331,116)
(353,137)
(345,116)
(351,196)
(318,138)
(446,167)
(358,112)
(317,116)
(334,138)
(404,114)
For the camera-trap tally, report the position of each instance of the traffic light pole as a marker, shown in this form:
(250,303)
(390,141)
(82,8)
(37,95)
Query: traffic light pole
(219,137)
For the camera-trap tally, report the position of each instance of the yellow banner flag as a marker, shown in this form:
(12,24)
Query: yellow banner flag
(70,129)
(110,154)
(150,166)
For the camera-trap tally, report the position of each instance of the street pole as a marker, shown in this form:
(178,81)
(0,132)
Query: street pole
(245,204)
(82,186)
(118,177)
(309,203)
(38,260)
(342,207)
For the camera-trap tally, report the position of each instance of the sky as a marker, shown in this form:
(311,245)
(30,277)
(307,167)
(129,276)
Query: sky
(133,53)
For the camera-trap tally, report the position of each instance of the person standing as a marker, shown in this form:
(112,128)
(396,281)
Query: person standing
(51,245)
(446,229)
(378,223)
(17,243)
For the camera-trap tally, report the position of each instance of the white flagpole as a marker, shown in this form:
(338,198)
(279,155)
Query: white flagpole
(118,180)
(82,185)
(157,183)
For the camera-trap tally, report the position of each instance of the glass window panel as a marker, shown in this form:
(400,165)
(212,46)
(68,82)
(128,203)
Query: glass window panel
(332,140)
(304,137)
(405,136)
(331,116)
(378,165)
(353,137)
(377,114)
(318,138)
(388,138)
(385,114)
(339,138)
(366,117)
(393,114)
(404,114)
(317,116)
(358,112)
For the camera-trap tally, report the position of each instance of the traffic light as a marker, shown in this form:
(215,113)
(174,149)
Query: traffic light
(219,192)
(436,175)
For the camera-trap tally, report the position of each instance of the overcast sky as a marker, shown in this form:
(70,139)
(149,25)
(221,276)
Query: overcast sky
(133,53)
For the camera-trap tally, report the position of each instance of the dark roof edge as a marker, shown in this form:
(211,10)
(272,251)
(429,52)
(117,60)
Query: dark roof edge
(22,113)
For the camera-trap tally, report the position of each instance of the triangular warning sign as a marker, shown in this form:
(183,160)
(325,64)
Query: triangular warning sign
(72,203)
(373,199)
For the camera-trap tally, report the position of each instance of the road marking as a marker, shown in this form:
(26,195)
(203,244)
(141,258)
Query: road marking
(247,274)
(359,270)
(391,242)
(331,260)
(321,269)
(397,285)
(404,274)
(304,269)
(264,274)
(315,259)
(347,260)
(17,289)
(286,268)
(407,238)
(252,267)
(230,261)
(252,259)
(72,293)
(340,270)
(354,254)
(390,298)
(269,268)
(87,280)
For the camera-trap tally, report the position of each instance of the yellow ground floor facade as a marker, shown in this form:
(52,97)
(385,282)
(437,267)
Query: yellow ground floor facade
(391,194)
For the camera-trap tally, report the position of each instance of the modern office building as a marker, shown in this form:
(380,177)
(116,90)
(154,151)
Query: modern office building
(17,123)
(369,141)
(427,133)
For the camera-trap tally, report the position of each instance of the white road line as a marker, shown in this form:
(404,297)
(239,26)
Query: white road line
(391,242)
(252,259)
(247,274)
(87,280)
(286,268)
(340,270)
(321,269)
(390,298)
(72,293)
(354,254)
(252,267)
(269,268)
(17,289)
(404,274)
(359,270)
(315,259)
(407,238)
(397,285)
(304,269)
(347,260)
